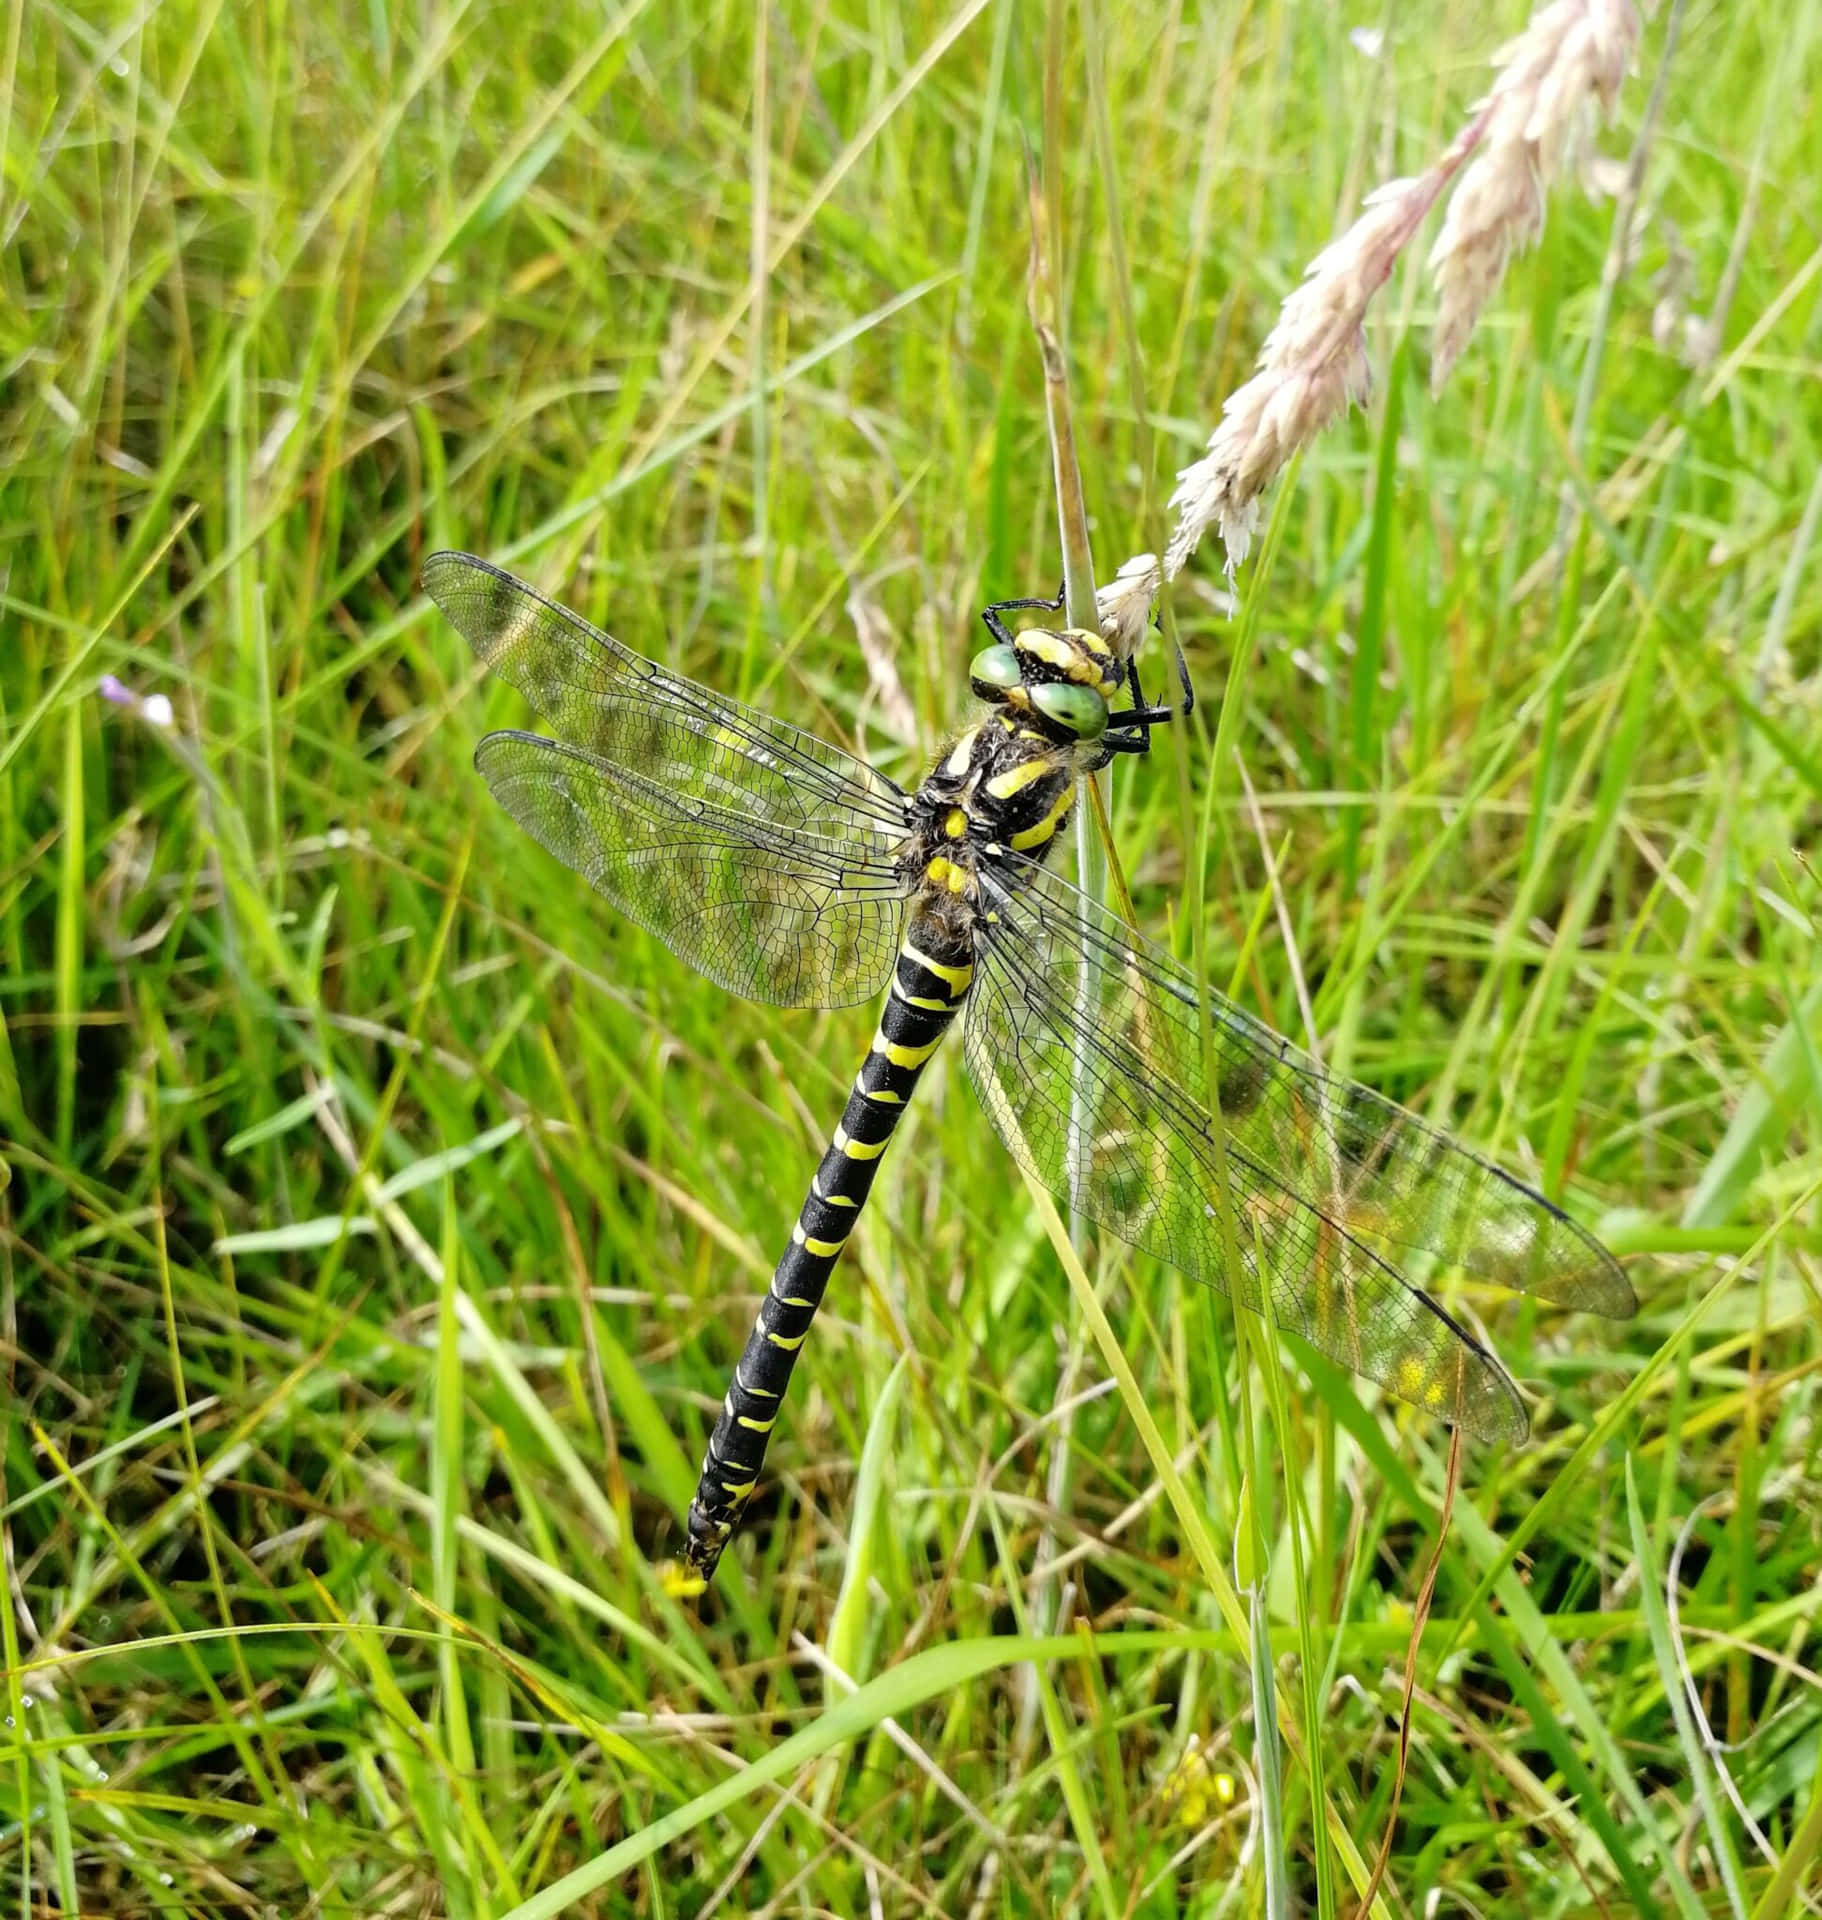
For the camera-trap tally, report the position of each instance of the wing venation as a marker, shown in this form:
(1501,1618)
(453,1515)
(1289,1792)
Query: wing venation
(1084,1041)
(764,857)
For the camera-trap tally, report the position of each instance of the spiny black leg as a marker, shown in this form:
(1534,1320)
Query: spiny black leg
(1189,690)
(1156,715)
(1130,717)
(1141,713)
(1014,606)
(998,628)
(1129,731)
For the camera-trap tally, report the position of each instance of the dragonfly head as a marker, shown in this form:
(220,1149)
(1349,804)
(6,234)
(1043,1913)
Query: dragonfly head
(1062,680)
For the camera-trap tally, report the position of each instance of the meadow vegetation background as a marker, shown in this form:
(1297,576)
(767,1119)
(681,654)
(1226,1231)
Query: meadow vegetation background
(383,1213)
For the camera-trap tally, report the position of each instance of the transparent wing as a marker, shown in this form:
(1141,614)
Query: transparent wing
(1083,1040)
(622,708)
(770,914)
(762,856)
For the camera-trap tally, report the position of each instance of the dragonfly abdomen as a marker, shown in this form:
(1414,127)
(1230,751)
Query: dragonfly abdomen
(929,984)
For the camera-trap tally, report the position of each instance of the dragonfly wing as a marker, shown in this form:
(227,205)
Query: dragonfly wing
(613,703)
(761,855)
(1084,1041)
(771,913)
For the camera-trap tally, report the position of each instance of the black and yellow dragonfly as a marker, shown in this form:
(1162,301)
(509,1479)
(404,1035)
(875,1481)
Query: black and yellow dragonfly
(788,871)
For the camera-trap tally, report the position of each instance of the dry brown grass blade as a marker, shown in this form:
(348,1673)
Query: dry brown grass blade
(1419,1614)
(1072,511)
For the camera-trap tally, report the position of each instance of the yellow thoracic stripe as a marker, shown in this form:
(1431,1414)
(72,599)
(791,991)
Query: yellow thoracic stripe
(961,753)
(956,977)
(844,1142)
(1016,779)
(1035,836)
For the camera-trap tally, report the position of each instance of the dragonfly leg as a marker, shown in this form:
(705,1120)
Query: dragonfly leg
(1129,730)
(1156,716)
(1189,686)
(999,629)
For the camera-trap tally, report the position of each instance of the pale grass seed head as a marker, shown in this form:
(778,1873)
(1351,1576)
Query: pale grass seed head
(1572,56)
(1313,363)
(1123,606)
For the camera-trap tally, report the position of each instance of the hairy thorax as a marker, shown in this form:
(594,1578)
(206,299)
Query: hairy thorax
(1002,787)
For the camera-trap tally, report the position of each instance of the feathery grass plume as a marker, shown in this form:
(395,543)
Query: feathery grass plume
(1123,606)
(1314,361)
(1572,53)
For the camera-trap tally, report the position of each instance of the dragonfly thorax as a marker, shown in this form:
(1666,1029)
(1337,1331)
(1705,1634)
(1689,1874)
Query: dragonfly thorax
(1004,788)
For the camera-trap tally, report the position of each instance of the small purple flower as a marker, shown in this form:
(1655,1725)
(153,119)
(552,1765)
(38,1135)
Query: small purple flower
(153,708)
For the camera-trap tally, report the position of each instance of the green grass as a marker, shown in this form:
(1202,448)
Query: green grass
(334,1559)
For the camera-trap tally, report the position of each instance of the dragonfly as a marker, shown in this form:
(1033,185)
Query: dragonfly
(791,872)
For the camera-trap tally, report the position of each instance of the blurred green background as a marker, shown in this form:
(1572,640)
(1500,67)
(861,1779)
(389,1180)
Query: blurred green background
(384,1214)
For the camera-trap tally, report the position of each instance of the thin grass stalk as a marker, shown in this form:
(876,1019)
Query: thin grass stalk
(1268,1759)
(1291,1479)
(760,175)
(1805,1846)
(1188,1512)
(1043,306)
(1420,1613)
(1569,514)
(1043,297)
(1057,1725)
(1673,1672)
(1252,1575)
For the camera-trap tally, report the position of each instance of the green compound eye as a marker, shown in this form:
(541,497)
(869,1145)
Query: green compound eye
(994,670)
(1079,710)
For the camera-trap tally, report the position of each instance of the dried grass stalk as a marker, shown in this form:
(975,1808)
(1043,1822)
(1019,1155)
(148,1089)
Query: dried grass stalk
(1314,361)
